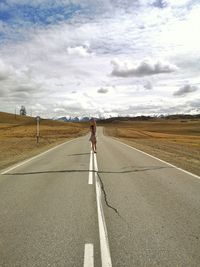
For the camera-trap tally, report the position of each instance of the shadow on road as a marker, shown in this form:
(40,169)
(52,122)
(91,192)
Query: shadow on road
(71,155)
(99,172)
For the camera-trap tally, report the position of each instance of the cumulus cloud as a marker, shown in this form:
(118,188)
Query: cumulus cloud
(144,68)
(186,89)
(67,47)
(17,86)
(102,91)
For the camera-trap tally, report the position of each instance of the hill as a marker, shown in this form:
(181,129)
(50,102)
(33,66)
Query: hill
(150,118)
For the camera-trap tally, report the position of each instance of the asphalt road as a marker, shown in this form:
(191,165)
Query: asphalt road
(129,210)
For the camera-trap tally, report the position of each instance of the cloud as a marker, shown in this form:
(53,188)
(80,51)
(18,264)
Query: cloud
(102,91)
(186,89)
(3,92)
(195,103)
(38,107)
(17,86)
(160,4)
(25,88)
(78,51)
(5,71)
(19,92)
(75,107)
(144,68)
(148,85)
(67,46)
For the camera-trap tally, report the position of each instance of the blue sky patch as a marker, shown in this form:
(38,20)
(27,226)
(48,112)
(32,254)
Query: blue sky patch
(28,16)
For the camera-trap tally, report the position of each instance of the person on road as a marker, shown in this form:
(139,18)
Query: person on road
(93,122)
(93,138)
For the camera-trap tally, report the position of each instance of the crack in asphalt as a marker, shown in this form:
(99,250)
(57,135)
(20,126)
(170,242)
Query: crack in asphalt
(149,168)
(107,203)
(105,194)
(86,170)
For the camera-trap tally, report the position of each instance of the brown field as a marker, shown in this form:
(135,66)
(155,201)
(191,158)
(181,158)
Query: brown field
(175,141)
(18,136)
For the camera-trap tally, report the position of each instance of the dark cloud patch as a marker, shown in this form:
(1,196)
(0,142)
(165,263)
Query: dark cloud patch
(25,88)
(186,89)
(144,68)
(194,104)
(20,95)
(160,4)
(3,75)
(148,85)
(102,91)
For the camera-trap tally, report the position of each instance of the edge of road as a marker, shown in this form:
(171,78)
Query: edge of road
(163,161)
(12,167)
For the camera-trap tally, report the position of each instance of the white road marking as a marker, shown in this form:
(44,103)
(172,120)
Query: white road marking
(103,236)
(192,174)
(28,160)
(89,255)
(90,180)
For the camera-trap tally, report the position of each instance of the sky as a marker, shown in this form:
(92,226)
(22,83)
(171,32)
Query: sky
(100,58)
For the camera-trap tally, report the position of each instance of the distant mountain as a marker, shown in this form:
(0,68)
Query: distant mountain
(61,119)
(75,119)
(85,119)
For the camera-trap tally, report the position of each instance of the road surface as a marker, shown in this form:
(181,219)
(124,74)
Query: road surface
(121,207)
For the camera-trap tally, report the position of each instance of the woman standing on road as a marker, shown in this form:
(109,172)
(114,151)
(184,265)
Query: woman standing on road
(93,138)
(93,122)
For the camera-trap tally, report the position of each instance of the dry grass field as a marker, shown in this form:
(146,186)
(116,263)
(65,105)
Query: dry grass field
(175,141)
(18,136)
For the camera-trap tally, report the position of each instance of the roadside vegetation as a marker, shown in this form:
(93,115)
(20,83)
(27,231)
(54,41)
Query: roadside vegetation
(18,136)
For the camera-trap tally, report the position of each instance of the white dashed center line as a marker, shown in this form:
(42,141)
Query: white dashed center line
(90,180)
(89,255)
(103,236)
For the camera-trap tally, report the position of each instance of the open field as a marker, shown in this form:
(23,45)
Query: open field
(18,136)
(175,141)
